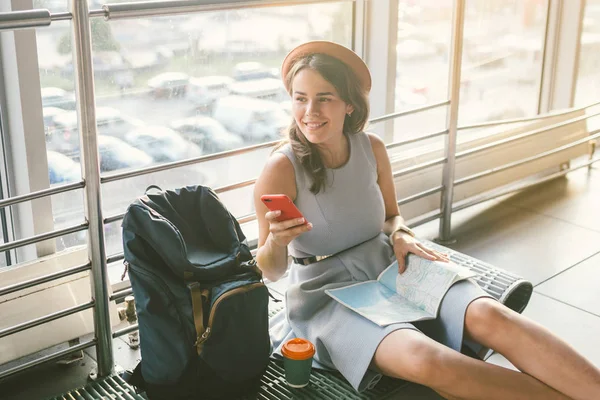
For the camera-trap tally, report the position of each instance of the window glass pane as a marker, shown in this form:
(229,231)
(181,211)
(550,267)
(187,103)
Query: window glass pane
(174,87)
(422,53)
(588,77)
(502,59)
(60,122)
(52,5)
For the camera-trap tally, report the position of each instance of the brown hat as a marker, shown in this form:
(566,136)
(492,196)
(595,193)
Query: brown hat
(347,56)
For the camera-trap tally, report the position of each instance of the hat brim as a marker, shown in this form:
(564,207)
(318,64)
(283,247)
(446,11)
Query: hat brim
(347,56)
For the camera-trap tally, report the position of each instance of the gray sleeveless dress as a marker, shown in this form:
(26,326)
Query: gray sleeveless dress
(348,217)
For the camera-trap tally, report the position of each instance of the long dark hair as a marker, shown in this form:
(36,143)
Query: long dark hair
(350,91)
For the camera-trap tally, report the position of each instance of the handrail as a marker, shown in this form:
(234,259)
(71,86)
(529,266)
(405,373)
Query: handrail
(163,8)
(121,294)
(231,153)
(419,167)
(41,193)
(50,357)
(420,195)
(125,331)
(46,318)
(423,219)
(43,279)
(114,218)
(234,186)
(14,20)
(184,163)
(114,258)
(593,135)
(487,196)
(522,135)
(222,189)
(246,218)
(527,119)
(43,236)
(408,112)
(417,139)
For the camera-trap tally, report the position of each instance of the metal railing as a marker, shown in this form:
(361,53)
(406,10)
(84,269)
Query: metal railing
(92,181)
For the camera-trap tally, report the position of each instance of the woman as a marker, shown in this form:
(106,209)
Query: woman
(331,169)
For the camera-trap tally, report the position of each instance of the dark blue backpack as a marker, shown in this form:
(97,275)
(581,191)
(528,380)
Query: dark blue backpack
(201,303)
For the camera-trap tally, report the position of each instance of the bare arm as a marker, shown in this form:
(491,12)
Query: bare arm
(402,242)
(273,237)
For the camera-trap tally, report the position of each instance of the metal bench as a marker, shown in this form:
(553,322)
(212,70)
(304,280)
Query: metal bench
(506,287)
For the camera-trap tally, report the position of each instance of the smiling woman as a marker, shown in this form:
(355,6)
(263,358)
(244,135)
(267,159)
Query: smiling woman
(340,179)
(328,102)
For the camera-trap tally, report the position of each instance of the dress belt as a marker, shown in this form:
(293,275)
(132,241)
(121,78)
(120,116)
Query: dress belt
(309,260)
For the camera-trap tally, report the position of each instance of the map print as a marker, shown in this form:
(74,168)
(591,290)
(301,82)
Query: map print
(395,298)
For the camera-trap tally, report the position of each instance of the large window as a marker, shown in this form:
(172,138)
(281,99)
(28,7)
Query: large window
(588,76)
(422,53)
(502,59)
(503,47)
(174,87)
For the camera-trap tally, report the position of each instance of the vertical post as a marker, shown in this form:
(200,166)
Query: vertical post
(86,114)
(359,44)
(382,36)
(458,21)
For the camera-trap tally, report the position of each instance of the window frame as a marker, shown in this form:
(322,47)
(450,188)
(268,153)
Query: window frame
(368,39)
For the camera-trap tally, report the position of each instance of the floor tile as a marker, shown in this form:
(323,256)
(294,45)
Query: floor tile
(578,328)
(573,198)
(47,380)
(579,286)
(531,245)
(499,359)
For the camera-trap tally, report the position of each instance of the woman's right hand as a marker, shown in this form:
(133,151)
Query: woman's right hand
(283,232)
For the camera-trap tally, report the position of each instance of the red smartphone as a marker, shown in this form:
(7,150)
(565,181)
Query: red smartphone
(283,203)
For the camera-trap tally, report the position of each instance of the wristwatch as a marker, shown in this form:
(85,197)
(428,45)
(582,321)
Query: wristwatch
(401,228)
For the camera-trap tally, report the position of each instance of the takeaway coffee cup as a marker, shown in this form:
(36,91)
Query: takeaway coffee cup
(297,361)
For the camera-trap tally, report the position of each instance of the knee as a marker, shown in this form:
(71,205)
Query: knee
(486,317)
(422,362)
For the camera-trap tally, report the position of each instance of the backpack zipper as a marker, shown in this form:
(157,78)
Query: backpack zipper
(202,337)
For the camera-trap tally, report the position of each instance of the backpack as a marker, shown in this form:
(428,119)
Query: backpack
(202,307)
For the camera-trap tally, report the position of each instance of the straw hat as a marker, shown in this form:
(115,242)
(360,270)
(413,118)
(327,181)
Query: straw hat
(347,56)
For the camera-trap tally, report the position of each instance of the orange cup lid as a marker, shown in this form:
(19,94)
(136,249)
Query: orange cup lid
(298,349)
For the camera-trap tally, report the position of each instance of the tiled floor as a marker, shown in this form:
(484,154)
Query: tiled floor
(549,234)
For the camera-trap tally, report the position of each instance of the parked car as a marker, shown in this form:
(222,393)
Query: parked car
(64,135)
(162,144)
(207,133)
(254,119)
(49,114)
(57,97)
(111,122)
(61,169)
(116,154)
(265,89)
(203,92)
(407,98)
(250,70)
(169,84)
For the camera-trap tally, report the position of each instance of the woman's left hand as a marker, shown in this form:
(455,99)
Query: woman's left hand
(404,244)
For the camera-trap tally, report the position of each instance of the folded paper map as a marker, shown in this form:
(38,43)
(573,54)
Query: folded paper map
(412,296)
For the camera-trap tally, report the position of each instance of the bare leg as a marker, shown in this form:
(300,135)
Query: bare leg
(532,349)
(410,355)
